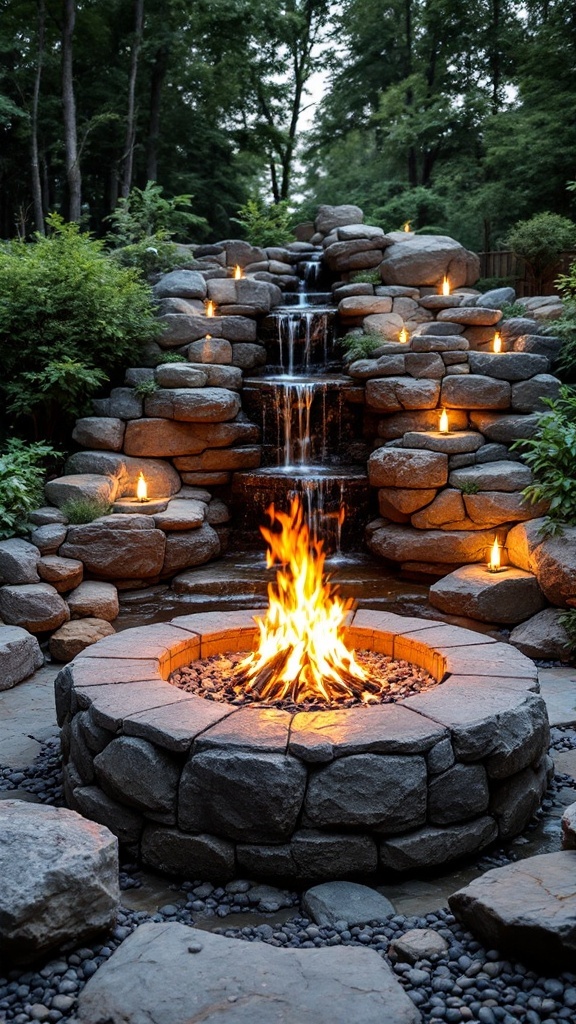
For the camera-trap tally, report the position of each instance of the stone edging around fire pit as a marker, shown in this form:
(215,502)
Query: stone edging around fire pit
(204,789)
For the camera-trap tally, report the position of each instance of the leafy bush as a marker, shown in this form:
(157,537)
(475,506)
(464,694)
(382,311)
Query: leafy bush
(265,224)
(568,621)
(148,214)
(512,309)
(360,346)
(551,455)
(68,317)
(145,387)
(85,510)
(564,326)
(22,471)
(366,277)
(171,357)
(540,241)
(151,255)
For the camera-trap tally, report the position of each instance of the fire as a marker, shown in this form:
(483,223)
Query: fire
(210,308)
(444,425)
(494,563)
(406,225)
(445,286)
(403,336)
(301,654)
(497,343)
(238,273)
(141,488)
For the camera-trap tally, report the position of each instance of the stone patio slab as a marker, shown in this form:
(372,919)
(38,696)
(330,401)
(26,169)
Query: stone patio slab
(384,729)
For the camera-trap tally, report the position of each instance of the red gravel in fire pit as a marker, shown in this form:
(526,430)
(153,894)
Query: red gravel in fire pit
(213,679)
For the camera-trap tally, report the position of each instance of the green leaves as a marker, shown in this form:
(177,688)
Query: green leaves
(21,483)
(265,224)
(551,455)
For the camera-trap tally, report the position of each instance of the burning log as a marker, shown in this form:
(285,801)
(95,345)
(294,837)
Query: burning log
(301,653)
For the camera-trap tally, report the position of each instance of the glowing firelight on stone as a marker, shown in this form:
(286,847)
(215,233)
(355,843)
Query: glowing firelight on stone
(210,308)
(444,426)
(445,286)
(238,273)
(497,343)
(403,336)
(141,488)
(406,225)
(301,654)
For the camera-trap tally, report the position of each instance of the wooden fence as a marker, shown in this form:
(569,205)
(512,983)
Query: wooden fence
(512,269)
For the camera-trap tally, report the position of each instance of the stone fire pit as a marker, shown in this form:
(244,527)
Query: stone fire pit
(204,789)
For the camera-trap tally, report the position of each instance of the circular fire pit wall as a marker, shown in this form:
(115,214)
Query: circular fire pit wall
(199,789)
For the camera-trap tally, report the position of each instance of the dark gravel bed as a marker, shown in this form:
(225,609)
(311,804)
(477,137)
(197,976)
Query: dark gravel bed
(468,983)
(213,678)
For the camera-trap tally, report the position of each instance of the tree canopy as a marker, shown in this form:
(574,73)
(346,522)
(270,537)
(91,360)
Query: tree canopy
(455,117)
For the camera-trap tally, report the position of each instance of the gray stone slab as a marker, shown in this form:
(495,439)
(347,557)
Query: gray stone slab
(175,974)
(187,856)
(177,724)
(334,855)
(495,660)
(379,791)
(111,703)
(135,772)
(263,729)
(20,656)
(431,846)
(384,728)
(512,366)
(526,909)
(345,901)
(458,794)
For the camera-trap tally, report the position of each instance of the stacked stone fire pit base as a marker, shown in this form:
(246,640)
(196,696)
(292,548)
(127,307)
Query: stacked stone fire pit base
(205,789)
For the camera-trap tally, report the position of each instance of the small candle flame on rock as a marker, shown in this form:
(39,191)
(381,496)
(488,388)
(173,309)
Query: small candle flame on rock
(494,563)
(445,286)
(210,308)
(238,272)
(444,425)
(497,343)
(141,488)
(403,336)
(406,225)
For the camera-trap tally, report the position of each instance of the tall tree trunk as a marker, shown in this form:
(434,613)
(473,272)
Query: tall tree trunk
(130,117)
(158,77)
(73,175)
(34,160)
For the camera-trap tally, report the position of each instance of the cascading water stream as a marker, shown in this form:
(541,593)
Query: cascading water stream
(306,422)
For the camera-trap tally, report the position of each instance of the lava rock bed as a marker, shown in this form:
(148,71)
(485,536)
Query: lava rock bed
(468,983)
(214,679)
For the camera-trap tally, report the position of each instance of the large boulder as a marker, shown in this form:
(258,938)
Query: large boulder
(406,467)
(185,284)
(543,636)
(59,878)
(508,597)
(330,217)
(106,432)
(18,561)
(527,909)
(93,599)
(555,566)
(398,543)
(177,975)
(161,477)
(81,487)
(186,548)
(194,405)
(20,655)
(76,636)
(117,547)
(37,607)
(427,259)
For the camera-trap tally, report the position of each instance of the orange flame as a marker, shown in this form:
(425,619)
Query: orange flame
(444,425)
(301,653)
(210,308)
(403,336)
(494,562)
(141,488)
(406,225)
(497,343)
(445,286)
(238,272)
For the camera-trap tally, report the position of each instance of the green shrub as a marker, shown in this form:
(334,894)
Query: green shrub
(568,621)
(512,309)
(360,346)
(171,357)
(148,214)
(540,241)
(551,455)
(468,487)
(366,277)
(22,472)
(152,255)
(145,387)
(265,224)
(69,316)
(85,510)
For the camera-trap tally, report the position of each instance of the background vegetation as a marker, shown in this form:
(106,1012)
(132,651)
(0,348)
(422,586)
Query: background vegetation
(454,117)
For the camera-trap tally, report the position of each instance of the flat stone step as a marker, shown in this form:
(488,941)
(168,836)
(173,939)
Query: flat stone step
(176,974)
